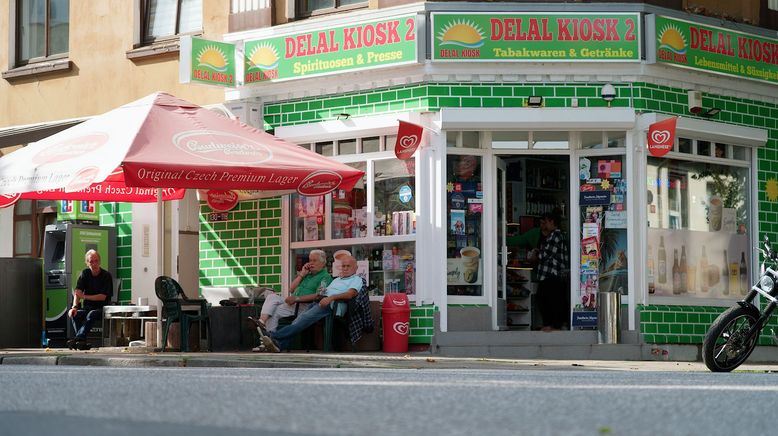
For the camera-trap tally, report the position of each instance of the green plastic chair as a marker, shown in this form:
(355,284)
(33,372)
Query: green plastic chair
(173,299)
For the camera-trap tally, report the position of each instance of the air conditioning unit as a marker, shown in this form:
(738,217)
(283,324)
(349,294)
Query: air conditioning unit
(245,112)
(695,102)
(221,110)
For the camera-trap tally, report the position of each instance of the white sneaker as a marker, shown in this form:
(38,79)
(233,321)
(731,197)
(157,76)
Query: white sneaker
(259,349)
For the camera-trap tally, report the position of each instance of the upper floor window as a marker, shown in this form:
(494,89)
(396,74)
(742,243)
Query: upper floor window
(42,28)
(168,18)
(312,7)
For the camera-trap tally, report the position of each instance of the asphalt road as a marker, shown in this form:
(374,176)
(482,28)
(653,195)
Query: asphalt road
(38,400)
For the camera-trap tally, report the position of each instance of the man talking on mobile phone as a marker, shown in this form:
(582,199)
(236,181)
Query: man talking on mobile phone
(303,289)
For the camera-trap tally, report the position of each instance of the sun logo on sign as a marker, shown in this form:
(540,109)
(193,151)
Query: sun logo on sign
(212,57)
(772,190)
(464,33)
(263,57)
(672,39)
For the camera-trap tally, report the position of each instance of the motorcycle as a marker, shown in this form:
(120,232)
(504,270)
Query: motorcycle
(734,334)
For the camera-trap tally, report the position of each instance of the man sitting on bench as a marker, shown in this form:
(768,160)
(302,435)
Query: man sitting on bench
(345,287)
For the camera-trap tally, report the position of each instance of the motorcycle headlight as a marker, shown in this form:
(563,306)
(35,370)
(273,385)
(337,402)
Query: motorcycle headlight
(767,283)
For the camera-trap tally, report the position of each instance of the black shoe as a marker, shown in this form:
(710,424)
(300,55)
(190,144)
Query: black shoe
(82,344)
(260,326)
(71,344)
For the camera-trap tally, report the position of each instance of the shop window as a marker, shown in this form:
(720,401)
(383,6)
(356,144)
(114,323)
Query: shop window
(347,147)
(470,140)
(464,225)
(386,267)
(307,218)
(604,244)
(395,192)
(42,29)
(325,148)
(698,216)
(591,140)
(349,209)
(383,242)
(314,7)
(740,153)
(703,148)
(617,139)
(169,18)
(722,151)
(451,139)
(550,140)
(684,145)
(463,139)
(515,140)
(371,145)
(389,141)
(30,220)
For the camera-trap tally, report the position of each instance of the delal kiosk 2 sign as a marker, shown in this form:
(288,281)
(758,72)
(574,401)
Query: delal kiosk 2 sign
(535,37)
(381,43)
(206,61)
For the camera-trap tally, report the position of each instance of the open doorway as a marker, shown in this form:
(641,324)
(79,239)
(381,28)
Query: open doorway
(535,288)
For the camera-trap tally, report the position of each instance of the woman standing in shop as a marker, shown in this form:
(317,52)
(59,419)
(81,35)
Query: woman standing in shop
(552,258)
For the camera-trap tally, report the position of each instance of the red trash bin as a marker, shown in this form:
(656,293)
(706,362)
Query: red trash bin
(395,315)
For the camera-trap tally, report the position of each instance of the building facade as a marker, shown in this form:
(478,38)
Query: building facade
(63,61)
(528,109)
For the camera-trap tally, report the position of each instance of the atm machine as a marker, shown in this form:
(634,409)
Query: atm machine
(64,247)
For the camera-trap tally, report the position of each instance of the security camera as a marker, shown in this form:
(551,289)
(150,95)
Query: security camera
(608,92)
(695,101)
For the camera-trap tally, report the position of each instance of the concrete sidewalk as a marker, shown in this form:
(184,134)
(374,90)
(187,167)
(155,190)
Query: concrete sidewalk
(145,357)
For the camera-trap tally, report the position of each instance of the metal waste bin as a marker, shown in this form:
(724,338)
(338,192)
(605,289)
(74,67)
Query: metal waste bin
(608,317)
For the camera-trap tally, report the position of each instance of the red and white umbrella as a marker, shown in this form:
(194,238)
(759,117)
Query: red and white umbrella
(161,141)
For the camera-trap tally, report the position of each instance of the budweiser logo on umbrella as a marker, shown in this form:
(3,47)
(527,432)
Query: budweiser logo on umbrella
(222,201)
(319,183)
(221,147)
(70,148)
(82,179)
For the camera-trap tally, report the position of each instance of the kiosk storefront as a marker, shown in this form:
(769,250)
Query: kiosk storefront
(509,138)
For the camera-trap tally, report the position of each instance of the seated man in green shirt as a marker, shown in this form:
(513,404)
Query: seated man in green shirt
(303,289)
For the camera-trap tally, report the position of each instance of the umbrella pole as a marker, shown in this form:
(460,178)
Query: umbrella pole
(160,261)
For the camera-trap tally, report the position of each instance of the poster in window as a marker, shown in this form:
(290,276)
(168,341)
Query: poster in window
(311,229)
(310,206)
(457,222)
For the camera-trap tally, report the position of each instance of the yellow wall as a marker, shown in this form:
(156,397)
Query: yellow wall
(101,32)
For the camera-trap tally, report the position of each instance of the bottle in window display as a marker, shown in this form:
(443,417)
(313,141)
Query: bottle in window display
(676,273)
(682,269)
(662,261)
(651,284)
(725,275)
(704,271)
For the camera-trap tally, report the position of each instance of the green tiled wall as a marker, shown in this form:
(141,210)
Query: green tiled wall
(665,324)
(661,324)
(433,96)
(422,329)
(119,215)
(229,250)
(270,243)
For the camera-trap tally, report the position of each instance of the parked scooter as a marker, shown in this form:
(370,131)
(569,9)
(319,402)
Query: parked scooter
(734,334)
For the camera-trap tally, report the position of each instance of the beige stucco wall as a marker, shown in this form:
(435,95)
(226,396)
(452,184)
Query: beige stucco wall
(101,32)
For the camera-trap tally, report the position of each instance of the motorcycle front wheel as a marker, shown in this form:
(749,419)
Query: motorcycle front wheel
(727,343)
